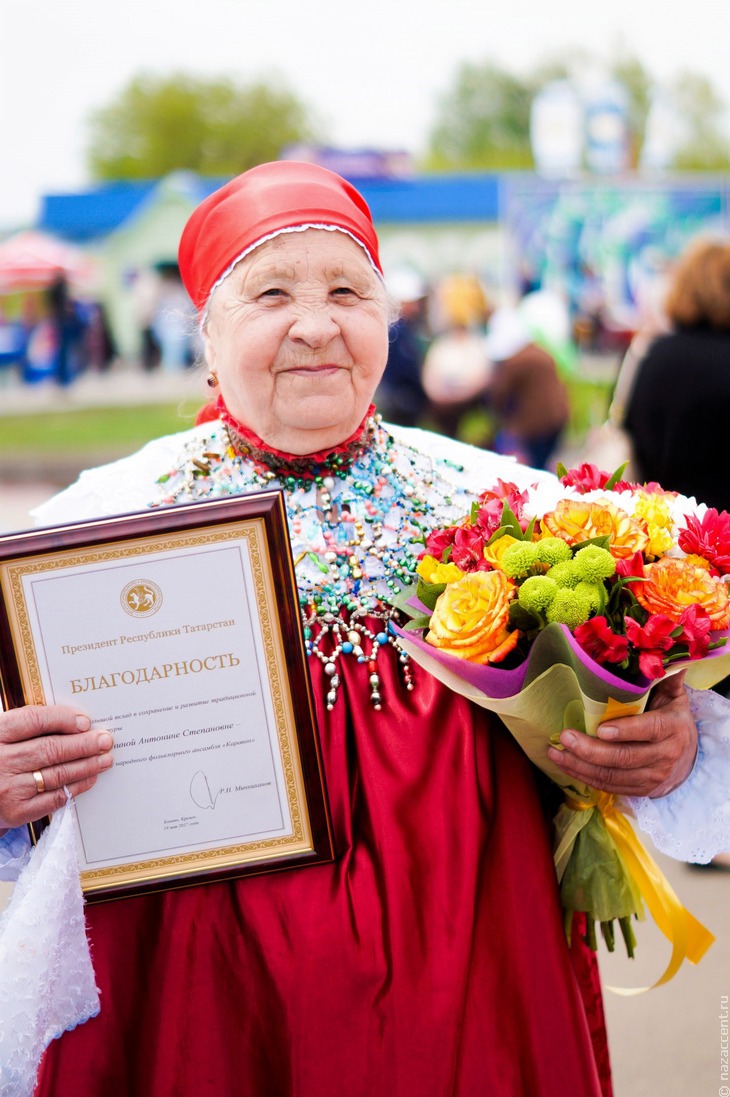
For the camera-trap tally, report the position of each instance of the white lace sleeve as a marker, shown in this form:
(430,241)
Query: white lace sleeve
(14,851)
(47,982)
(693,822)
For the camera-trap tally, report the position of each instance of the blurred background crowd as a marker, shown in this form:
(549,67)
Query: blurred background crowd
(530,246)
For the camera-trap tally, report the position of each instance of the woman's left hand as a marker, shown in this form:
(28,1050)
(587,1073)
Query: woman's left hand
(647,755)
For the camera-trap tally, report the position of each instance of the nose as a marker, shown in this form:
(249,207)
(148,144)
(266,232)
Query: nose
(315,325)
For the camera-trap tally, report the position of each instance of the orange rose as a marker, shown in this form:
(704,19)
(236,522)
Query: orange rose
(470,618)
(672,585)
(574,521)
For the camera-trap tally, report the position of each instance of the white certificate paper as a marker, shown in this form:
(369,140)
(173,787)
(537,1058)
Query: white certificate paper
(174,649)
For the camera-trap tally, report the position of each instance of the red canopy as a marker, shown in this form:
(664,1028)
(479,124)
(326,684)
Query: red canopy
(32,260)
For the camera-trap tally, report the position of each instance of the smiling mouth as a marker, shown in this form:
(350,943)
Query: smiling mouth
(323,367)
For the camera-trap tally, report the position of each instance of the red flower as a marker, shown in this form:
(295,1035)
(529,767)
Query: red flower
(651,664)
(600,642)
(468,550)
(654,638)
(696,625)
(631,566)
(438,541)
(708,537)
(656,633)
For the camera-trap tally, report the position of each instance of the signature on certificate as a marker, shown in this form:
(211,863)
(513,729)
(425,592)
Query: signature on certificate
(200,792)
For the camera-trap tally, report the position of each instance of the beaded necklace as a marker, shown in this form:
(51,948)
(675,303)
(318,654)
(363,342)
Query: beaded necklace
(357,522)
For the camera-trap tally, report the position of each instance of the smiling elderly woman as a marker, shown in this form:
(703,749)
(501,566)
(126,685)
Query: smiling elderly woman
(429,958)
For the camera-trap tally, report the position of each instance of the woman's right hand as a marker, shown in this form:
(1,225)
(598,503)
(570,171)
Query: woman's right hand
(56,742)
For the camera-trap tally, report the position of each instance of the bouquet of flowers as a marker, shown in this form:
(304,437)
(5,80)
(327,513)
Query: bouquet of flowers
(559,607)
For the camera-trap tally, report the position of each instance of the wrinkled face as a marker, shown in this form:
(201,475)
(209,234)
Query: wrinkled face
(298,336)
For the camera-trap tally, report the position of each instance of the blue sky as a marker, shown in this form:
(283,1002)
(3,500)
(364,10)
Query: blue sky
(372,71)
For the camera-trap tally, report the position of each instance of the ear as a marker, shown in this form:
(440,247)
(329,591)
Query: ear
(208,349)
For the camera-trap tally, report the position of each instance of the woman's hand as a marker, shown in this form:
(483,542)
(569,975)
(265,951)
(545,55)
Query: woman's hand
(647,755)
(55,742)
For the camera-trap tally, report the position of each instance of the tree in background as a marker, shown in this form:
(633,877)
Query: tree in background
(483,121)
(214,127)
(704,146)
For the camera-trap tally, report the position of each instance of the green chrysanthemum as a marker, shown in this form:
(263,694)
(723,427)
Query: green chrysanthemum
(519,559)
(565,574)
(536,593)
(569,607)
(594,564)
(595,593)
(551,550)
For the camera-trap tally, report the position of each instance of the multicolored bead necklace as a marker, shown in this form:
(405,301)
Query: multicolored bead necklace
(357,521)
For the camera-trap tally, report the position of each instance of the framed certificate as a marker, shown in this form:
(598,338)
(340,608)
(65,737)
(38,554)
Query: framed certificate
(177,630)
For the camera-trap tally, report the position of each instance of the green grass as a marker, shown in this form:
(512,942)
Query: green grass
(119,430)
(116,430)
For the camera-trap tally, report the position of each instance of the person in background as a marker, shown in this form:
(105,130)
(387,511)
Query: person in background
(68,330)
(400,396)
(525,392)
(456,369)
(677,410)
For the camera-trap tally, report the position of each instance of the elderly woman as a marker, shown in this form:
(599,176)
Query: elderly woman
(430,957)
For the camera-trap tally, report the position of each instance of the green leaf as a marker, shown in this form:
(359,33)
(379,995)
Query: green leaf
(474,512)
(429,593)
(521,618)
(560,470)
(509,521)
(497,534)
(616,476)
(417,624)
(446,554)
(602,542)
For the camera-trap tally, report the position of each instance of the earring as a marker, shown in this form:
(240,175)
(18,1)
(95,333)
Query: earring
(213,380)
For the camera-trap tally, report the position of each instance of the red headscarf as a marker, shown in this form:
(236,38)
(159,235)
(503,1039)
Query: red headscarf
(259,204)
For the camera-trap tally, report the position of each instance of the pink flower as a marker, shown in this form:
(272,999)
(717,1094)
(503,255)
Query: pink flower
(585,478)
(708,537)
(600,642)
(491,504)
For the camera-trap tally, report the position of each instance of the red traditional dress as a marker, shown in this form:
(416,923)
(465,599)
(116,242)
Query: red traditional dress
(429,959)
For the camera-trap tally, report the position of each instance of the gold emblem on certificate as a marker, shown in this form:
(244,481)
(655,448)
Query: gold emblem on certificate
(141,598)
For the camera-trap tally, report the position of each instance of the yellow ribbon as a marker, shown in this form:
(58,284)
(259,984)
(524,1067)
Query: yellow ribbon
(688,937)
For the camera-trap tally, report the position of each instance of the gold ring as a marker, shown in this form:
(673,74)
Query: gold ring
(40,784)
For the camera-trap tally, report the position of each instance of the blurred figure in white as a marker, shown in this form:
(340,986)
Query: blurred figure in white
(526,394)
(173,321)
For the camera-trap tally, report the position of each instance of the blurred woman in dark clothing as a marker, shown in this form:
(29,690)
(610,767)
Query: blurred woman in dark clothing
(677,413)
